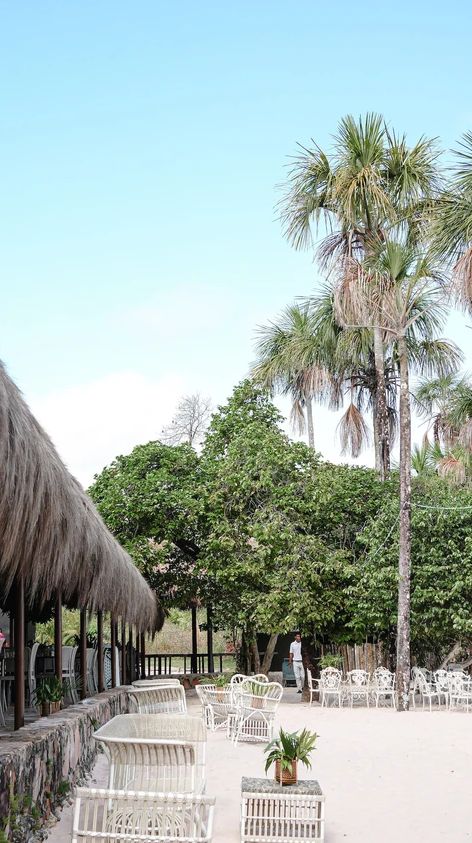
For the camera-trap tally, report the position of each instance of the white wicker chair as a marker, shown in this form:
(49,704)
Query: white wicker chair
(156,683)
(311,684)
(329,685)
(383,685)
(159,699)
(110,815)
(155,752)
(219,706)
(68,672)
(256,704)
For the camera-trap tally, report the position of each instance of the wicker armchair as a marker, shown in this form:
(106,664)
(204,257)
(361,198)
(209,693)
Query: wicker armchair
(256,704)
(155,752)
(110,815)
(159,699)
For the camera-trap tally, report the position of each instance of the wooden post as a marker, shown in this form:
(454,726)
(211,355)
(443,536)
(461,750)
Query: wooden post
(211,660)
(19,653)
(101,684)
(143,656)
(130,655)
(194,659)
(113,641)
(58,638)
(123,654)
(83,653)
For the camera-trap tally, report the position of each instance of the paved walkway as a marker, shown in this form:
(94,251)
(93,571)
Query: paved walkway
(387,777)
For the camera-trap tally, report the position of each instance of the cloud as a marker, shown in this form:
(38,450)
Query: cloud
(91,423)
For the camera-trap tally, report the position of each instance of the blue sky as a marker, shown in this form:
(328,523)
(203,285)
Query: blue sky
(140,147)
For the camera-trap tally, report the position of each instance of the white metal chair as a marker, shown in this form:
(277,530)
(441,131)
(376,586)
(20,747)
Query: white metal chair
(311,684)
(111,815)
(383,685)
(358,686)
(256,704)
(329,685)
(155,752)
(160,699)
(441,683)
(459,688)
(426,691)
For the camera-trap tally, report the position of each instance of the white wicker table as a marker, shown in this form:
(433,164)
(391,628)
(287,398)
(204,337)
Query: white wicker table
(274,814)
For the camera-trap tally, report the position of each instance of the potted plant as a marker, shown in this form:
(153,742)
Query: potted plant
(286,750)
(219,681)
(48,695)
(259,693)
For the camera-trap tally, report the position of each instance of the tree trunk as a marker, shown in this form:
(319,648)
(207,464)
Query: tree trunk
(451,655)
(404,561)
(309,423)
(256,662)
(271,645)
(375,425)
(381,402)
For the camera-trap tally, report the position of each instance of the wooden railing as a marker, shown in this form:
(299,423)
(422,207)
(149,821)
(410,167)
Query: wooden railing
(181,663)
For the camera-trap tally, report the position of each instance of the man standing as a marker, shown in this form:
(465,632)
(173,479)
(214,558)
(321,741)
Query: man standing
(295,659)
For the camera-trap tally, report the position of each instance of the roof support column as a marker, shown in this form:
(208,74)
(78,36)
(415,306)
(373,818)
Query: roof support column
(143,656)
(19,653)
(194,659)
(130,655)
(83,653)
(113,637)
(58,637)
(211,660)
(101,685)
(123,653)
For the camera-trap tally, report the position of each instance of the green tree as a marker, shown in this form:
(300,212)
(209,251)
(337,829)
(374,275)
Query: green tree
(401,291)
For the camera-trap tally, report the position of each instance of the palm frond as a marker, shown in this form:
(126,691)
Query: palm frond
(354,434)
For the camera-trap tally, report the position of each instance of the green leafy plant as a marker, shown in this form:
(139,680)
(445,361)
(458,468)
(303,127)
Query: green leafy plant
(220,680)
(49,690)
(330,660)
(289,747)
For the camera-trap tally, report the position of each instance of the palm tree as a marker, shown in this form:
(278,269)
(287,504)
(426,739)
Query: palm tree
(401,291)
(283,366)
(433,400)
(371,183)
(453,226)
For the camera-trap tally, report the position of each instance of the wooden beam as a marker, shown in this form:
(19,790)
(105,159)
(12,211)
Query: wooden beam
(211,660)
(130,655)
(58,637)
(19,653)
(123,653)
(83,653)
(143,656)
(101,684)
(113,641)
(194,659)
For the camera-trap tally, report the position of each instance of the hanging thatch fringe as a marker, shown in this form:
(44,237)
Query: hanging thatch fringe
(50,531)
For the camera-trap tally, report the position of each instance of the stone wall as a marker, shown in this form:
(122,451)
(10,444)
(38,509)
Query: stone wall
(40,763)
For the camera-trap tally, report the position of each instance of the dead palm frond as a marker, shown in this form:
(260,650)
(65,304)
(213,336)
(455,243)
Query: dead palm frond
(354,434)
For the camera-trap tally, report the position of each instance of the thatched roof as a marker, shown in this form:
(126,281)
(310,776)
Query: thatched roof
(50,531)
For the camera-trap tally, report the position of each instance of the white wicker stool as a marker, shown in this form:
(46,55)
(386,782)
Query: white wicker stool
(274,814)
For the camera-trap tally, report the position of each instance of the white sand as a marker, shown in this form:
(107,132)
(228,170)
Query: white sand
(387,777)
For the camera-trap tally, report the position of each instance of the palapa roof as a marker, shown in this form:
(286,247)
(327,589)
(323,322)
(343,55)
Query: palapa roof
(50,531)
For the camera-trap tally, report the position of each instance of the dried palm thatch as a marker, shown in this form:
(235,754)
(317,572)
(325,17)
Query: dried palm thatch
(50,532)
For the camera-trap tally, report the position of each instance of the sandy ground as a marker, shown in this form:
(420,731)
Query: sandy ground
(387,777)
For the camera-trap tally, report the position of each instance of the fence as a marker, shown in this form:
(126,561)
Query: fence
(158,664)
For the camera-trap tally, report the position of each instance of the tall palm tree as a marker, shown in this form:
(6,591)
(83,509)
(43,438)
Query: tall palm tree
(453,226)
(291,361)
(370,183)
(403,292)
(434,398)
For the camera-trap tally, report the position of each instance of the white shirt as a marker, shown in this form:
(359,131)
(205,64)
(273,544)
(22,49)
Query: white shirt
(296,650)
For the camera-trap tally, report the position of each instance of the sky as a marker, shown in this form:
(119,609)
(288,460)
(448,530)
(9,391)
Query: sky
(141,148)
